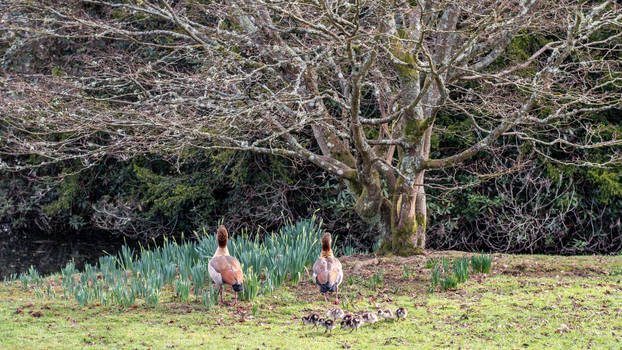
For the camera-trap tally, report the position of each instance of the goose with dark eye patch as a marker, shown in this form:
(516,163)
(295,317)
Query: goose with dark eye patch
(225,269)
(327,270)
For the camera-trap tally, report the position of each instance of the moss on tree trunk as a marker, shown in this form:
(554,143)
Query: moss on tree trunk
(408,233)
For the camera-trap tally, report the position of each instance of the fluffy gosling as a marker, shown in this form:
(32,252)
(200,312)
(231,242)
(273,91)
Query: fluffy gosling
(401,313)
(329,325)
(369,317)
(346,322)
(311,319)
(356,322)
(386,314)
(335,313)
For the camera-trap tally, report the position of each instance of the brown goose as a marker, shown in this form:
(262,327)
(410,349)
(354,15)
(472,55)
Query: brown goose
(327,271)
(225,269)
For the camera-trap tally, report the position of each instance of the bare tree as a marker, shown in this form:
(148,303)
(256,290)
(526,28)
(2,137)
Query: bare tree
(367,78)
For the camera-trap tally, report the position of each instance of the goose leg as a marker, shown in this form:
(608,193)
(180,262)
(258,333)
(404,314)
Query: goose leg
(236,300)
(220,292)
(337,295)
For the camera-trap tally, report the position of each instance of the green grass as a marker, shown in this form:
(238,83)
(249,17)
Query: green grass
(555,302)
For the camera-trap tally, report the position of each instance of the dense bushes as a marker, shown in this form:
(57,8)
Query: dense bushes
(543,208)
(539,202)
(146,198)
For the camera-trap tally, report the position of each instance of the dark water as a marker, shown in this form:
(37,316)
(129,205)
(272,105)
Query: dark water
(49,254)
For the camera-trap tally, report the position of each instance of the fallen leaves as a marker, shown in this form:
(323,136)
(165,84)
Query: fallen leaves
(390,340)
(36,314)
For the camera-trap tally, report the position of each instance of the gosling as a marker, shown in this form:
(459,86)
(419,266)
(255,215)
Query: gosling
(401,313)
(386,314)
(335,313)
(369,317)
(329,325)
(356,322)
(311,319)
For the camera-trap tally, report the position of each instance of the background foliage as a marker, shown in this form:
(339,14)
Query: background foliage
(544,207)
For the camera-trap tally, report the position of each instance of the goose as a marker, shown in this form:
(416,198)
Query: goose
(327,271)
(225,269)
(319,322)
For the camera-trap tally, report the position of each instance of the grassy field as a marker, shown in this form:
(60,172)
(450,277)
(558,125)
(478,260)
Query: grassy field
(525,302)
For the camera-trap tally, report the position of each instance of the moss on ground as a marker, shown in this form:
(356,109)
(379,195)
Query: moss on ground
(526,302)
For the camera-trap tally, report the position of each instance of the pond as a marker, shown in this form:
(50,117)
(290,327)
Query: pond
(49,253)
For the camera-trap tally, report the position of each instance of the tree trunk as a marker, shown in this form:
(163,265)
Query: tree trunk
(408,221)
(408,206)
